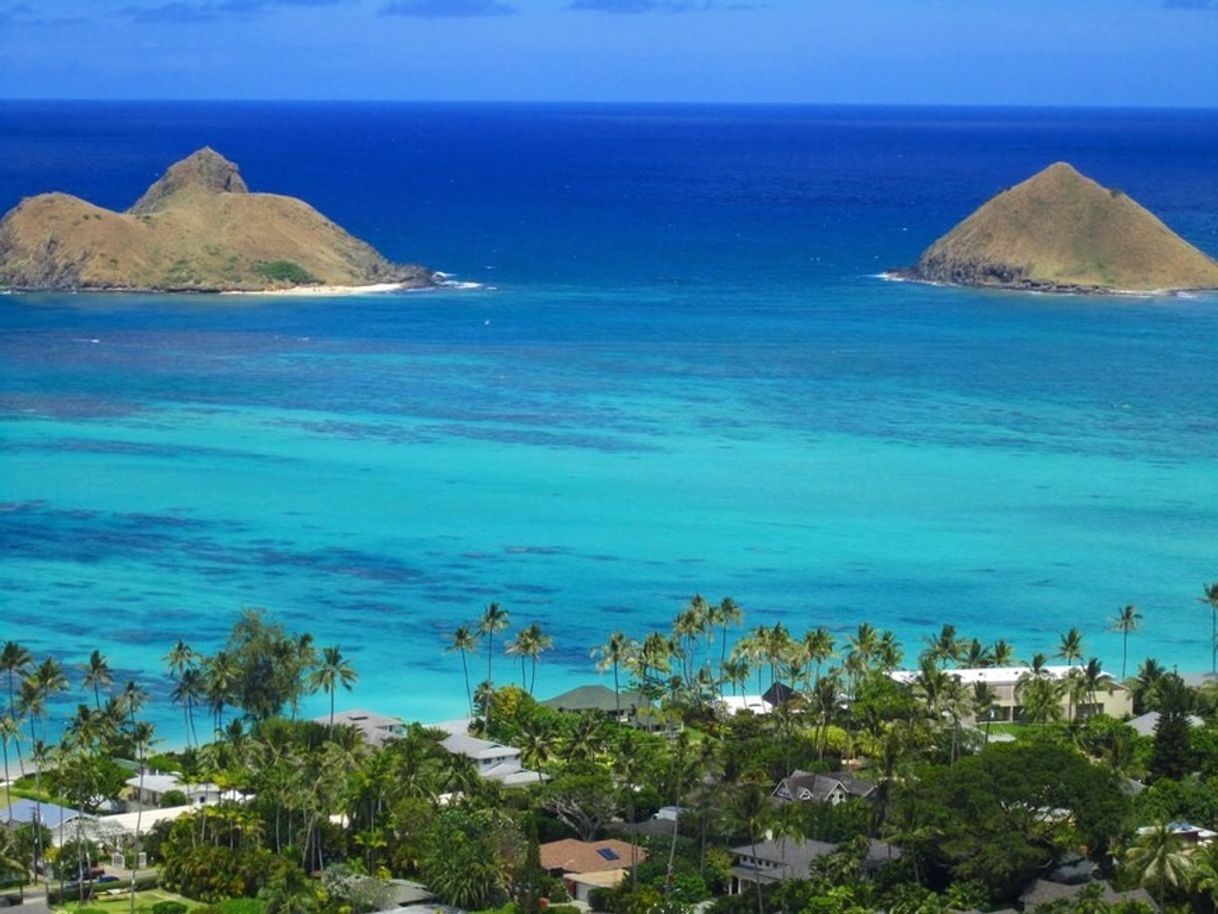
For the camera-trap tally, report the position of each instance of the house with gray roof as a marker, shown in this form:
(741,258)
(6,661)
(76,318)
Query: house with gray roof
(1044,892)
(778,860)
(376,729)
(494,761)
(598,698)
(832,788)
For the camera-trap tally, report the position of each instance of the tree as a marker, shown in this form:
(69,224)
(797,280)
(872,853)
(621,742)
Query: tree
(1158,860)
(141,740)
(15,660)
(463,640)
(494,619)
(1172,753)
(1126,622)
(529,883)
(610,656)
(10,731)
(1209,596)
(1070,649)
(528,645)
(1205,873)
(752,812)
(727,612)
(97,676)
(332,672)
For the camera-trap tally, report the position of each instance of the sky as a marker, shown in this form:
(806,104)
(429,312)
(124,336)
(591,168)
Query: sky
(1156,53)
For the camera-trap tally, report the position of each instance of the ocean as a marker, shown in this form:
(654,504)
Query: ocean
(680,373)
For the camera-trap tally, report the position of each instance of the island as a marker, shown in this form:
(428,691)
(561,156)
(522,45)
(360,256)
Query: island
(1060,231)
(198,228)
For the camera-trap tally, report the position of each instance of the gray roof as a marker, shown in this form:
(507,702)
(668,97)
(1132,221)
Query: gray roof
(596,698)
(376,729)
(1146,723)
(804,785)
(475,748)
(1043,892)
(49,814)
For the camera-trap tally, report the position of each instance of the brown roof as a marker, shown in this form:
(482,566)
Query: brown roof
(573,856)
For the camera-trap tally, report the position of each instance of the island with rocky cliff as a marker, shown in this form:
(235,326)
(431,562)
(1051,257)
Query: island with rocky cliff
(196,229)
(1060,231)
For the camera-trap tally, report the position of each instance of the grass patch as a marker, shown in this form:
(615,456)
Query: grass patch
(284,271)
(116,904)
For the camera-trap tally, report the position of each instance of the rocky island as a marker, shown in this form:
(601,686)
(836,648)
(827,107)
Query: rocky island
(1060,231)
(196,229)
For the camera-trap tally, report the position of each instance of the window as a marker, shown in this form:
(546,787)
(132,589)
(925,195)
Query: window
(608,853)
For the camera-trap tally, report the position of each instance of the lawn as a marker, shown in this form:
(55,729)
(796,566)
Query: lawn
(120,903)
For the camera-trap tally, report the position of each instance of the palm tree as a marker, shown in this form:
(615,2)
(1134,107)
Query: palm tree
(1070,649)
(530,643)
(818,647)
(1003,653)
(752,812)
(1205,873)
(464,641)
(180,658)
(494,619)
(728,612)
(612,654)
(220,676)
(1125,622)
(735,671)
(97,676)
(1158,859)
(944,647)
(16,661)
(187,691)
(10,730)
(1209,596)
(984,698)
(333,671)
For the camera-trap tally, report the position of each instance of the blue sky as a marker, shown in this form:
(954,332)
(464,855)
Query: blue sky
(1039,52)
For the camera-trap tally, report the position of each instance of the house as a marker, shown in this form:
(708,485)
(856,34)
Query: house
(588,865)
(150,789)
(1190,835)
(61,820)
(559,858)
(779,693)
(1044,892)
(1145,724)
(1111,698)
(832,788)
(494,761)
(377,729)
(773,861)
(598,698)
(754,704)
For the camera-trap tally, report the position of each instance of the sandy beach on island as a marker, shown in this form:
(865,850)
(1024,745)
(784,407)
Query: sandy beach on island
(371,289)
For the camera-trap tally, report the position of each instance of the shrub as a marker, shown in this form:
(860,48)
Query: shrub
(171,798)
(284,271)
(169,907)
(563,909)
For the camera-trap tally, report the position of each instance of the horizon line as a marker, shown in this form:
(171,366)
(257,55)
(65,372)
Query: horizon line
(612,103)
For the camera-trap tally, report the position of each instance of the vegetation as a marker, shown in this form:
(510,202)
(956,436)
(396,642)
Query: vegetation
(326,818)
(284,271)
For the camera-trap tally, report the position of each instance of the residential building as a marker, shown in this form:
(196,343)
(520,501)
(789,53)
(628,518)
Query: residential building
(778,860)
(588,865)
(1044,892)
(832,788)
(494,761)
(598,698)
(151,789)
(377,729)
(1111,698)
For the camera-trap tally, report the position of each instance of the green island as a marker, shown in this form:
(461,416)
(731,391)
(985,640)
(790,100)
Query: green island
(715,768)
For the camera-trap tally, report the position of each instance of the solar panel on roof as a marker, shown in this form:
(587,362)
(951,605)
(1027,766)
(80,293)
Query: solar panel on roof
(608,853)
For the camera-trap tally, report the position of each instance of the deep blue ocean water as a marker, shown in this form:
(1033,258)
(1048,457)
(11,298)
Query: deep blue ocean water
(681,374)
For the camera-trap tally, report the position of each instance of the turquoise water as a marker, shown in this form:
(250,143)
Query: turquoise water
(705,390)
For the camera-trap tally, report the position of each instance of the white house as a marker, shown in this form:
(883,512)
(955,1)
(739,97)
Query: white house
(494,761)
(377,729)
(150,790)
(1111,697)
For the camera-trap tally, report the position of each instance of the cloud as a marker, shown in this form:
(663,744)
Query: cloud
(447,9)
(632,7)
(182,12)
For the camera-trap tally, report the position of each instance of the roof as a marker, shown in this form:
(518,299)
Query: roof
(737,703)
(49,814)
(1145,724)
(475,748)
(778,693)
(596,698)
(375,728)
(999,675)
(1043,892)
(603,879)
(155,782)
(806,785)
(572,856)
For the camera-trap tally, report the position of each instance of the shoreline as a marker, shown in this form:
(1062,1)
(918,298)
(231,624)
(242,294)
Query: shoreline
(1088,291)
(376,288)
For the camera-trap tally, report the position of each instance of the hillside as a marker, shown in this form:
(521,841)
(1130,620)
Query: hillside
(197,228)
(1061,231)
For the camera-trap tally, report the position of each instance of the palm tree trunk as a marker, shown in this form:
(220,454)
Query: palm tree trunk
(757,882)
(331,712)
(469,695)
(617,695)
